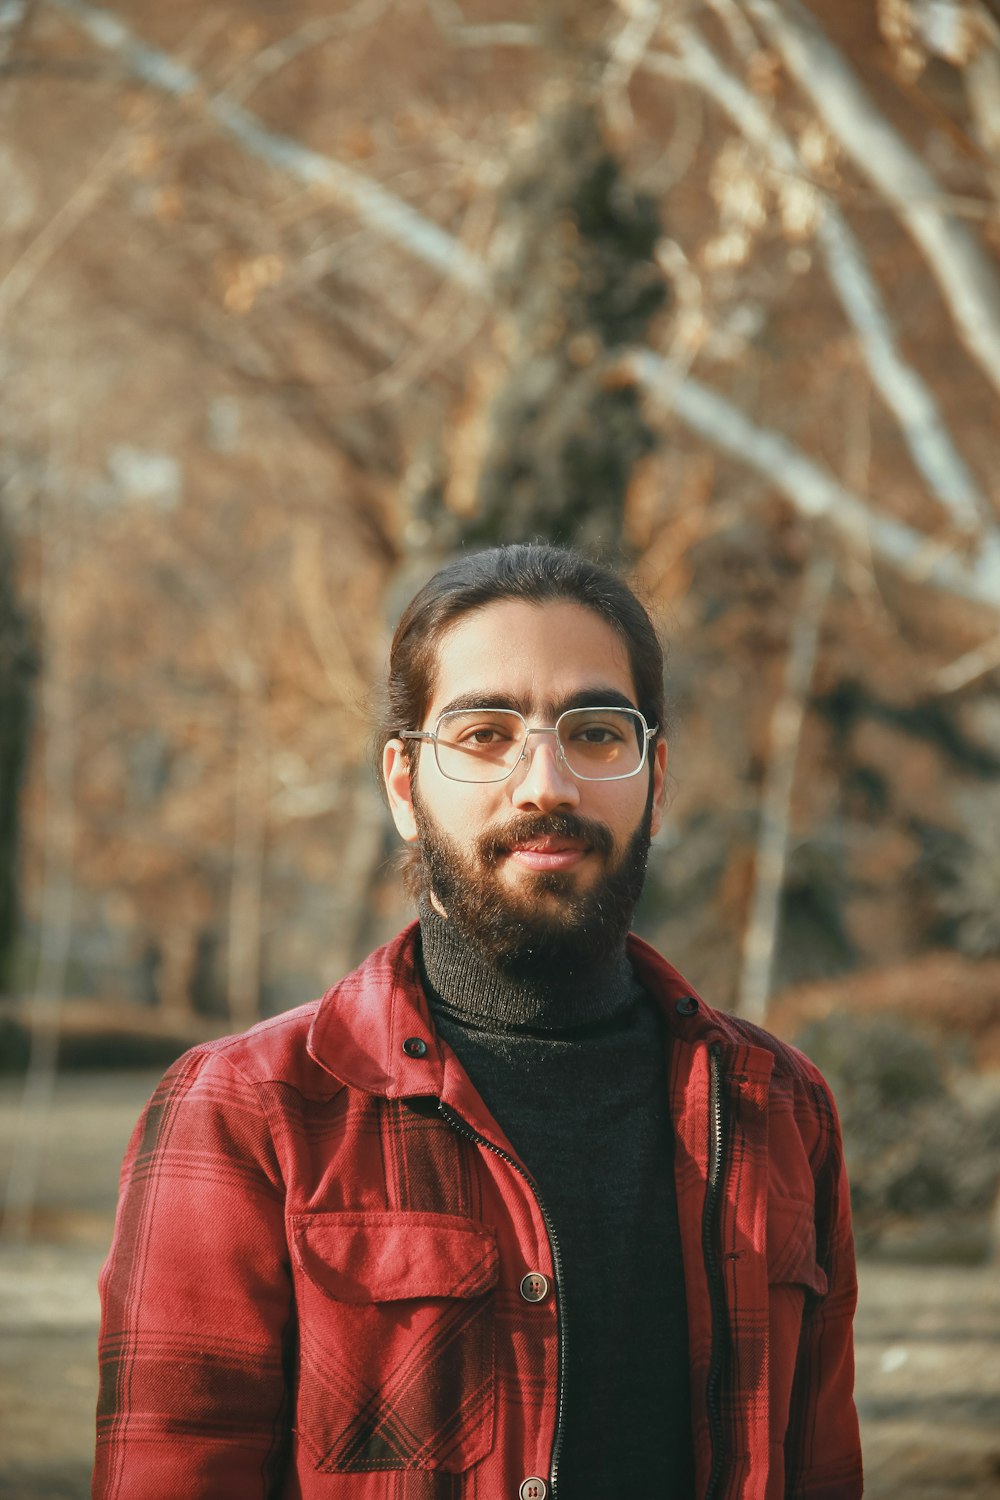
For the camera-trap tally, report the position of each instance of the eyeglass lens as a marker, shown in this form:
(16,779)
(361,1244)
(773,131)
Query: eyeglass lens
(485,744)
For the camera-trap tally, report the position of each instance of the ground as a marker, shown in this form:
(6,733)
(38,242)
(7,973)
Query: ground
(928,1337)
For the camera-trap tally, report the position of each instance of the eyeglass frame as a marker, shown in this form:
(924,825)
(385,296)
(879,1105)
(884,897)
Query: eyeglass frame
(426,736)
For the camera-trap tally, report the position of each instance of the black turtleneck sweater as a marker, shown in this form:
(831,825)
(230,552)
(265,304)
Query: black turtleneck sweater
(574,1073)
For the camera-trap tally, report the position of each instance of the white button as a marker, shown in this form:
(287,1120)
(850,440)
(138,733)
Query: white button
(534,1287)
(533,1489)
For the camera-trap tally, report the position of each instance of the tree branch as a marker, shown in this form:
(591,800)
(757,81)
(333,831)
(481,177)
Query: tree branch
(967,280)
(764,923)
(16,20)
(54,233)
(450,21)
(249,839)
(904,391)
(811,489)
(394,219)
(982,660)
(625,55)
(270,60)
(814,491)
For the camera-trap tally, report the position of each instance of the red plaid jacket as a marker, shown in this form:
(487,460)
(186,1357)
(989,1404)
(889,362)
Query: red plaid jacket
(314,1289)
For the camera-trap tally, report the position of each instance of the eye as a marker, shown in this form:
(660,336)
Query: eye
(597,734)
(479,729)
(485,734)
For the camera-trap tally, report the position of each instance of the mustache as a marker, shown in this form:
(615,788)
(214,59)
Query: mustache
(496,842)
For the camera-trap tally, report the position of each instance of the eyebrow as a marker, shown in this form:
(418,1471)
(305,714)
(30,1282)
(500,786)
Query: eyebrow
(591,697)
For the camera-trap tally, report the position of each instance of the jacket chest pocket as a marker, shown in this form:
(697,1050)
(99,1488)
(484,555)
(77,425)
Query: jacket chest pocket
(396,1357)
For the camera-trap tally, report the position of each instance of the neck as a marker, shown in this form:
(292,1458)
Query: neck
(463,982)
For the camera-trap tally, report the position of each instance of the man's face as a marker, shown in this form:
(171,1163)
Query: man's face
(541,866)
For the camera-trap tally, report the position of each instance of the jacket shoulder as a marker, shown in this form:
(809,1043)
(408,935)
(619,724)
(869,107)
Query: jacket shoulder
(274,1051)
(342,1037)
(789,1062)
(703,1023)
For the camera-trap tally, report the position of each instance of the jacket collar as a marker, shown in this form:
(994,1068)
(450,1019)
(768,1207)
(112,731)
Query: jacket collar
(368,1028)
(362,1023)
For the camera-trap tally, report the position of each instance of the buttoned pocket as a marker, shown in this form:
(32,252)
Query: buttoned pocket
(396,1339)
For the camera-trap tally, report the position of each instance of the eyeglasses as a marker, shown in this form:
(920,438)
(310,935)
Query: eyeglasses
(488,744)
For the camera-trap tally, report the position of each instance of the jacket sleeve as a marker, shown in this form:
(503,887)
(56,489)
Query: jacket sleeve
(196,1299)
(823,1445)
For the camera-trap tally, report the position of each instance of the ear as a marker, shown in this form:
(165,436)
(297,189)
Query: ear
(659,785)
(396,774)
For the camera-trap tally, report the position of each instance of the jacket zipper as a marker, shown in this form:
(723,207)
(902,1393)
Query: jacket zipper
(458,1124)
(716,1288)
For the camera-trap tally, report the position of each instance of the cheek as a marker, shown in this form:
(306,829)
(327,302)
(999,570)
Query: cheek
(621,811)
(459,811)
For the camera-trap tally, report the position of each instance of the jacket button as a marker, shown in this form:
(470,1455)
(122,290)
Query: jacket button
(687,1006)
(533,1489)
(415,1046)
(534,1287)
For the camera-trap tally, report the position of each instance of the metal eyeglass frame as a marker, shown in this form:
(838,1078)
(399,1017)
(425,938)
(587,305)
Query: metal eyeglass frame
(432,739)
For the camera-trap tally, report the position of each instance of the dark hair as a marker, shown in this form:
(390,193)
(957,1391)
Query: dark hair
(534,572)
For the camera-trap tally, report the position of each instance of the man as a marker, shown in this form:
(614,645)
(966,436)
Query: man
(510,1212)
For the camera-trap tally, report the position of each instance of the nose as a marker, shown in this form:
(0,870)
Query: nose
(543,782)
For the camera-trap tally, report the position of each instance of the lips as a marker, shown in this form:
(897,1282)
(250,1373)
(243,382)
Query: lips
(553,853)
(557,841)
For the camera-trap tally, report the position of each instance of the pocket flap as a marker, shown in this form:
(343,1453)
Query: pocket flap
(791,1245)
(386,1257)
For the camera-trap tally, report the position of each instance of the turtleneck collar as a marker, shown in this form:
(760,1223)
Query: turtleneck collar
(462,984)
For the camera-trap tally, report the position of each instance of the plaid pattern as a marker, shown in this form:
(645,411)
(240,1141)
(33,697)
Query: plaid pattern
(313,1289)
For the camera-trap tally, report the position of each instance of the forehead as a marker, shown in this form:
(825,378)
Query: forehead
(535,655)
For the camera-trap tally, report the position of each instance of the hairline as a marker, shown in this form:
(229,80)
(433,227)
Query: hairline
(436,639)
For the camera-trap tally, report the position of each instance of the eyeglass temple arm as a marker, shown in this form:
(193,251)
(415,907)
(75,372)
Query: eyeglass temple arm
(416,734)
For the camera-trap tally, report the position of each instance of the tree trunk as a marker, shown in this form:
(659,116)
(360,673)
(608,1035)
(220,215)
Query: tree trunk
(18,666)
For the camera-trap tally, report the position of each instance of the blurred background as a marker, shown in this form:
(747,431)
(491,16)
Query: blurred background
(296,302)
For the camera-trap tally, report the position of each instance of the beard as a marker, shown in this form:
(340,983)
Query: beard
(550,929)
